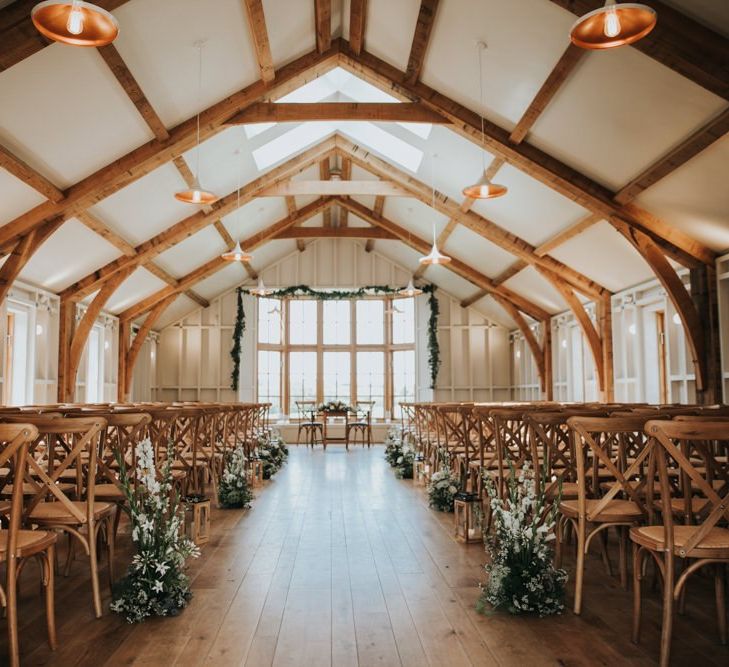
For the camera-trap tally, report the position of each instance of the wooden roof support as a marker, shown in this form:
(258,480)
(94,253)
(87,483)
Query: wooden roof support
(476,296)
(323,18)
(335,188)
(378,211)
(346,178)
(150,156)
(197,221)
(291,208)
(217,263)
(324,174)
(132,354)
(24,172)
(460,268)
(525,157)
(566,234)
(697,142)
(423,28)
(510,271)
(340,232)
(567,62)
(259,33)
(678,42)
(158,271)
(357,24)
(126,79)
(485,228)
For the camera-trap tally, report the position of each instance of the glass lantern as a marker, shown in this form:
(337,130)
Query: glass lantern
(467,518)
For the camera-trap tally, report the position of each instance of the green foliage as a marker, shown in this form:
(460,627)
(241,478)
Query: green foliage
(433,346)
(240,327)
(273,452)
(234,491)
(399,453)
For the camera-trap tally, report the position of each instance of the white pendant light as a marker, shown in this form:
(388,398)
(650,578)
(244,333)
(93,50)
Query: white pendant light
(613,25)
(261,289)
(75,22)
(237,254)
(196,193)
(483,188)
(410,290)
(435,256)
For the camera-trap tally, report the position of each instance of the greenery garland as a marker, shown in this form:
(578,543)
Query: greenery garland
(338,295)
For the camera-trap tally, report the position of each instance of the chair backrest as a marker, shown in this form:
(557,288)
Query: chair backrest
(123,432)
(306,409)
(698,452)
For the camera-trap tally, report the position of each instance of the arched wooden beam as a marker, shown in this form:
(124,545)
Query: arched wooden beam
(677,293)
(531,339)
(22,252)
(135,349)
(81,333)
(586,324)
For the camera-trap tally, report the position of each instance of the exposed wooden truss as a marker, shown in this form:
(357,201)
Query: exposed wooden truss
(332,188)
(357,24)
(29,176)
(423,28)
(259,34)
(566,234)
(476,296)
(323,18)
(296,112)
(378,210)
(340,232)
(346,175)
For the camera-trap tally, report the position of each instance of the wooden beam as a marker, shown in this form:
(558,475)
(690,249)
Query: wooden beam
(423,28)
(158,271)
(692,146)
(125,329)
(296,112)
(332,188)
(106,233)
(144,159)
(704,294)
(378,210)
(324,174)
(357,24)
(525,157)
(335,233)
(346,176)
(485,228)
(66,321)
(567,62)
(461,268)
(217,263)
(678,42)
(197,221)
(123,75)
(566,234)
(19,38)
(259,33)
(510,271)
(133,353)
(476,296)
(24,172)
(323,18)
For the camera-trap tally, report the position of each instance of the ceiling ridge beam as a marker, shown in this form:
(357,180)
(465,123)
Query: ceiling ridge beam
(421,38)
(259,34)
(335,233)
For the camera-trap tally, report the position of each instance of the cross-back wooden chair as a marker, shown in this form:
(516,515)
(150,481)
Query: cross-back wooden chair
(698,451)
(186,437)
(70,444)
(611,462)
(309,425)
(18,545)
(358,425)
(511,442)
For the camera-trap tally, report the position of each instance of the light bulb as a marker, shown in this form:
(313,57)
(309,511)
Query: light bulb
(196,196)
(612,23)
(633,329)
(75,23)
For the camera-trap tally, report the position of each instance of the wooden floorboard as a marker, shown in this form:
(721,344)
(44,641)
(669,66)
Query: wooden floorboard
(340,563)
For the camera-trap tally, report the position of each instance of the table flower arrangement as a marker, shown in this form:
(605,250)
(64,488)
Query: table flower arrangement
(155,583)
(335,407)
(522,577)
(234,491)
(442,490)
(272,451)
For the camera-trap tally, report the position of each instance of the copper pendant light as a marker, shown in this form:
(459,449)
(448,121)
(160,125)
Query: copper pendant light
(75,22)
(484,188)
(435,256)
(615,24)
(196,194)
(410,290)
(237,254)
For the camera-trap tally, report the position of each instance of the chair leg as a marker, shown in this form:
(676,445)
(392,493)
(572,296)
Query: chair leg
(11,610)
(110,544)
(580,566)
(94,565)
(604,552)
(637,576)
(49,577)
(719,587)
(623,544)
(667,625)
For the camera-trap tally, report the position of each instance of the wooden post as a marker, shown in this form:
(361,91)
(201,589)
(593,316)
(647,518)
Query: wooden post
(605,322)
(124,335)
(65,331)
(704,296)
(548,391)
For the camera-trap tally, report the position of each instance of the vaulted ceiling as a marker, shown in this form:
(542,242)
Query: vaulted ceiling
(591,146)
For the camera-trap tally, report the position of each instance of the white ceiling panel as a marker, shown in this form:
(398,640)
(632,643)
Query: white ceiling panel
(136,287)
(256,216)
(64,113)
(71,253)
(714,14)
(414,216)
(192,253)
(271,252)
(531,285)
(221,281)
(450,282)
(400,254)
(477,252)
(290,29)
(390,27)
(16,197)
(180,307)
(494,311)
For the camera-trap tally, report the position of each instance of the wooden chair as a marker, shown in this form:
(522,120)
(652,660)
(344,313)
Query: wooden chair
(361,424)
(18,545)
(308,424)
(697,451)
(602,446)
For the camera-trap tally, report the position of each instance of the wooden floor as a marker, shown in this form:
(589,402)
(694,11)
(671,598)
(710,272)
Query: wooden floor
(341,563)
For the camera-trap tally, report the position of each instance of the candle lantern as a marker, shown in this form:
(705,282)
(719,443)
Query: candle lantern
(419,471)
(467,518)
(197,519)
(255,470)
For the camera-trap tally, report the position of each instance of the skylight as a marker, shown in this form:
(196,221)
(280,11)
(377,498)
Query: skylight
(291,142)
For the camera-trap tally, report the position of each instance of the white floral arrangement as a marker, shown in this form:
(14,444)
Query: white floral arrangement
(155,583)
(442,490)
(234,490)
(272,450)
(522,577)
(400,452)
(393,445)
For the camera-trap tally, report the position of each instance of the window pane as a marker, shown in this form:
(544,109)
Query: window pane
(336,376)
(302,322)
(403,321)
(403,378)
(336,322)
(269,321)
(371,380)
(302,378)
(370,322)
(269,379)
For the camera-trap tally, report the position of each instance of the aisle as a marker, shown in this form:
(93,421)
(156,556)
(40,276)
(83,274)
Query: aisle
(341,563)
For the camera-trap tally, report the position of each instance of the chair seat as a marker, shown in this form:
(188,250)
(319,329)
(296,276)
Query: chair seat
(358,425)
(30,542)
(615,510)
(714,545)
(110,492)
(56,513)
(31,489)
(311,425)
(569,491)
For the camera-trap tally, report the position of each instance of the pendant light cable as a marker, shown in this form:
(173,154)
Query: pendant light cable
(480,47)
(199,102)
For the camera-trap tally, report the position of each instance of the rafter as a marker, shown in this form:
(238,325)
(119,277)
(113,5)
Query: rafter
(332,188)
(529,159)
(510,271)
(566,234)
(476,296)
(323,18)
(357,24)
(423,28)
(324,174)
(378,210)
(259,33)
(461,268)
(24,172)
(340,232)
(346,177)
